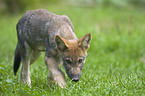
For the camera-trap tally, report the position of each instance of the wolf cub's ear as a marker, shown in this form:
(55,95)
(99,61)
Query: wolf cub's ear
(60,43)
(84,42)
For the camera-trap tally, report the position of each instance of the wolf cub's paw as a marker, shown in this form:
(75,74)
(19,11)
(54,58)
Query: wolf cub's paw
(54,81)
(60,84)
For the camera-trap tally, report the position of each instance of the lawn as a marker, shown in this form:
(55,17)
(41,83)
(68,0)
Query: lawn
(115,63)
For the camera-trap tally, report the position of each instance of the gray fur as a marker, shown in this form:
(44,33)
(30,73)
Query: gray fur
(37,31)
(38,26)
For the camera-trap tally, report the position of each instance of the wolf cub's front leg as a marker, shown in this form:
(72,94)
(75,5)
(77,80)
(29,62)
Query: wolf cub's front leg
(55,74)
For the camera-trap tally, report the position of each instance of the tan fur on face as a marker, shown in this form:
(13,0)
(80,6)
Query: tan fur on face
(76,47)
(73,49)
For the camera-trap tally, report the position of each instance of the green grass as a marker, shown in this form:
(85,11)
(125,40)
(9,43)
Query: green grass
(115,64)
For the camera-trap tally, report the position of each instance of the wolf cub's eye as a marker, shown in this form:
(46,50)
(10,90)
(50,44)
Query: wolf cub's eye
(68,61)
(80,60)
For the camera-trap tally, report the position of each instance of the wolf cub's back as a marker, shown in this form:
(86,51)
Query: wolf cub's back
(38,26)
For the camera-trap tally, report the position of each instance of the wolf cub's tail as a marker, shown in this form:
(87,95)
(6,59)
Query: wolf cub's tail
(17,59)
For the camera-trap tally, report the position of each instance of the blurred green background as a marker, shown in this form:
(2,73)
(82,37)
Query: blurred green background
(15,6)
(115,63)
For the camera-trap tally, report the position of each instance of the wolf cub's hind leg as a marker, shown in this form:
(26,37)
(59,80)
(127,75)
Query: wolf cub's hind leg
(55,74)
(25,70)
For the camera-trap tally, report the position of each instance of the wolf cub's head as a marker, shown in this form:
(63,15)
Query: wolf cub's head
(73,53)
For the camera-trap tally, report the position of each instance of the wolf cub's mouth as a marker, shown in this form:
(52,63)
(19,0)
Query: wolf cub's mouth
(75,79)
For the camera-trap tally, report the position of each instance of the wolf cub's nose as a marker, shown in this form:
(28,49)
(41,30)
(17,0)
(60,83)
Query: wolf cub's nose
(75,79)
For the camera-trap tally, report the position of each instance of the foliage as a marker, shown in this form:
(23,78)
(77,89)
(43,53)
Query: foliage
(115,64)
(15,6)
(106,3)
